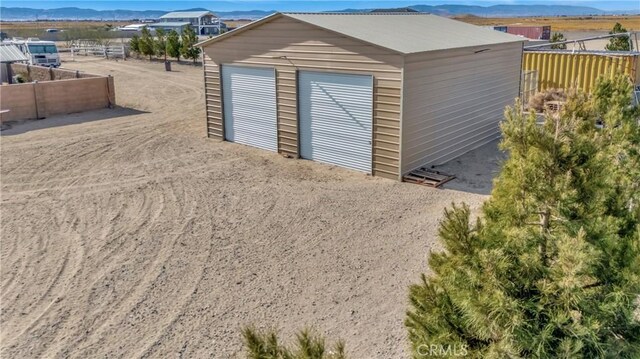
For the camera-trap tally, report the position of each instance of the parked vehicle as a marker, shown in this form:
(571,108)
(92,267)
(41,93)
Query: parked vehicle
(41,53)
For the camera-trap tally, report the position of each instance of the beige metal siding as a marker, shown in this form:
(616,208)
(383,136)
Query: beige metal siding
(580,70)
(290,46)
(454,101)
(212,98)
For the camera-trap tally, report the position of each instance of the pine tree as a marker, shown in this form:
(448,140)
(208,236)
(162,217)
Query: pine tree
(146,43)
(620,43)
(552,267)
(174,45)
(134,44)
(189,39)
(558,37)
(160,43)
(309,346)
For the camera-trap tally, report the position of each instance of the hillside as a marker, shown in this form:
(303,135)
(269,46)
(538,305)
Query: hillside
(74,13)
(509,10)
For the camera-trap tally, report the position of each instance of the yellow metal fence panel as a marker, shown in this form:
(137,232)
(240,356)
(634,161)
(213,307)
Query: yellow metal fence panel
(578,70)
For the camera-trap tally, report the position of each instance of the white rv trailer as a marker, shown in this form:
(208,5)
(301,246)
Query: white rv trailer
(41,53)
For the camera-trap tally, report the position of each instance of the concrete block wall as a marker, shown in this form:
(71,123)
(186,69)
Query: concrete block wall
(40,73)
(43,99)
(20,100)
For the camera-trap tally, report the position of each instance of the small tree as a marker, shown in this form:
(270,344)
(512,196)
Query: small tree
(160,43)
(174,45)
(309,346)
(134,44)
(70,38)
(189,39)
(558,37)
(552,267)
(620,43)
(146,43)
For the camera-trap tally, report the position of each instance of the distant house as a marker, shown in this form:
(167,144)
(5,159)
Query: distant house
(167,26)
(133,27)
(204,22)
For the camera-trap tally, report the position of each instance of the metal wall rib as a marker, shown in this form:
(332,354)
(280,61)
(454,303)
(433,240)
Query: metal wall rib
(556,69)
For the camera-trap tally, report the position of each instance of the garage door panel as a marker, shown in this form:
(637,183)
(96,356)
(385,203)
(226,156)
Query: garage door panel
(341,140)
(336,118)
(249,106)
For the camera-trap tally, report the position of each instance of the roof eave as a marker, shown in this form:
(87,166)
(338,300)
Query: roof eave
(178,12)
(465,47)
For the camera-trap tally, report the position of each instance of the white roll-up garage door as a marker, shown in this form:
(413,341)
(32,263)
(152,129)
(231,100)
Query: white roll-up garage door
(335,118)
(249,105)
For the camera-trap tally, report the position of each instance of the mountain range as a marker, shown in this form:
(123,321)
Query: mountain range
(74,13)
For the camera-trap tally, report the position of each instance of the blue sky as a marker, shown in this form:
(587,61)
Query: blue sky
(294,5)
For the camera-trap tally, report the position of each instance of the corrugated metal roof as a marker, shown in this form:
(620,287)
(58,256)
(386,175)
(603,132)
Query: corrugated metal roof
(406,32)
(11,53)
(185,14)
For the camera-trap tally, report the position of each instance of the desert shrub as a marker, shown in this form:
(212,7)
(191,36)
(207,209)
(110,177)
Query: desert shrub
(265,345)
(23,77)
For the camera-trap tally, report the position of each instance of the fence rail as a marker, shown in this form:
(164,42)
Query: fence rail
(106,51)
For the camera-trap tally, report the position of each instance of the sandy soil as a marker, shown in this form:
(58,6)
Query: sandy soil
(127,233)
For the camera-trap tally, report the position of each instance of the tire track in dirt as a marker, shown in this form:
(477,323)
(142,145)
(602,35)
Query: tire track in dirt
(132,299)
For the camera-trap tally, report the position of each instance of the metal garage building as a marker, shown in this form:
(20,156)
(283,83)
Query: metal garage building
(378,93)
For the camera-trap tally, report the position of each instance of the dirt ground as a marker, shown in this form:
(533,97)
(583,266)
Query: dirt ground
(127,233)
(561,23)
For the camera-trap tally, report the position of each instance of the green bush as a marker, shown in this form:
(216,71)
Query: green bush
(265,345)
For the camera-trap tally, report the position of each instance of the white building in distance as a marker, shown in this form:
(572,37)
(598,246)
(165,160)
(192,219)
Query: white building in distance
(204,22)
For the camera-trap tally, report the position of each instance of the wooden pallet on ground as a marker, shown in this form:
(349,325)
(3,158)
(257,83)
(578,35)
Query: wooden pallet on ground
(427,177)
